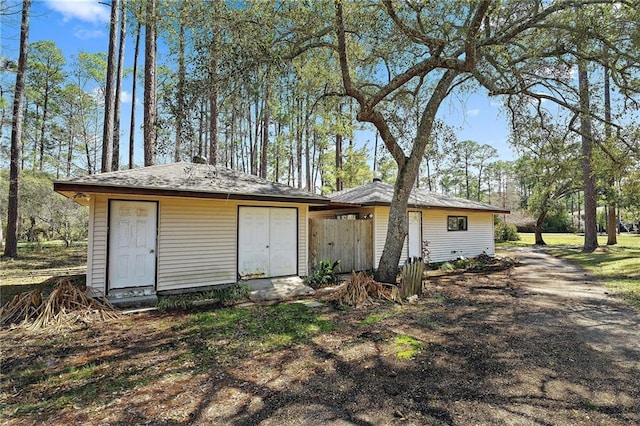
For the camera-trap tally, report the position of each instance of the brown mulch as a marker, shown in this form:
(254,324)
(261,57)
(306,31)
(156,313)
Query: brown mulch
(492,350)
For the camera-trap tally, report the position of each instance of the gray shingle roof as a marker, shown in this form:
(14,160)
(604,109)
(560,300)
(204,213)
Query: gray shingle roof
(380,193)
(188,179)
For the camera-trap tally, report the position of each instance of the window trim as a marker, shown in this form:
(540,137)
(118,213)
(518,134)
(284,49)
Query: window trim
(458,221)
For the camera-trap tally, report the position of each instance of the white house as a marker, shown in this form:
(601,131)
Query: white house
(183,226)
(448,227)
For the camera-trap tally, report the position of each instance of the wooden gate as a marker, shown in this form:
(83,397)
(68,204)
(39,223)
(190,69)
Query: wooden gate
(347,240)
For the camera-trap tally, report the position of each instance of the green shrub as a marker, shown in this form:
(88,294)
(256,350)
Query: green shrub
(222,296)
(506,232)
(325,273)
(446,266)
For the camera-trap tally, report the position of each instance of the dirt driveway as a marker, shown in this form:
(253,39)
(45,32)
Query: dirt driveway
(603,322)
(538,344)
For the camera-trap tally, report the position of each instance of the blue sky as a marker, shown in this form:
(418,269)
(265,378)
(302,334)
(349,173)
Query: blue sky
(82,25)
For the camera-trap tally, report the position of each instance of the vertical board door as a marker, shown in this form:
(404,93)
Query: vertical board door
(132,244)
(415,234)
(267,242)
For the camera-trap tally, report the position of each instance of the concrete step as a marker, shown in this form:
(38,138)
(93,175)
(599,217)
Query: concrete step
(133,297)
(134,301)
(269,289)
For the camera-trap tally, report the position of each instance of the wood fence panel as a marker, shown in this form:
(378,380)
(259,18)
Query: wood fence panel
(347,240)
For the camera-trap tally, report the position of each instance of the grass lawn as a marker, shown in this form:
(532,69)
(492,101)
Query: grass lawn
(618,267)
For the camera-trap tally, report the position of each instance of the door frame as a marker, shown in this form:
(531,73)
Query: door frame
(297,225)
(108,243)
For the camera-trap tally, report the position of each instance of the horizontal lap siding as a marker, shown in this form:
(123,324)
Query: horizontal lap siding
(196,243)
(197,240)
(448,245)
(381,224)
(303,240)
(97,261)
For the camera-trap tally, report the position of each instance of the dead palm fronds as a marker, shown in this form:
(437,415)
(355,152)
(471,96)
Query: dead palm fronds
(363,290)
(21,306)
(66,304)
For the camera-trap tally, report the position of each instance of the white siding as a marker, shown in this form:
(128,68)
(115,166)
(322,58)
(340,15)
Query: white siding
(448,245)
(196,243)
(443,244)
(197,240)
(98,250)
(303,239)
(93,291)
(380,225)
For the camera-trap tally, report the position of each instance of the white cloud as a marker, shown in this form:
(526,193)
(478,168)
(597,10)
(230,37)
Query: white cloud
(125,97)
(85,34)
(473,112)
(83,10)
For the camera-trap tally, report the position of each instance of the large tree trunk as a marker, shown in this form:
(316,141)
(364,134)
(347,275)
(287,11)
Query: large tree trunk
(150,105)
(590,200)
(539,241)
(110,91)
(11,247)
(407,172)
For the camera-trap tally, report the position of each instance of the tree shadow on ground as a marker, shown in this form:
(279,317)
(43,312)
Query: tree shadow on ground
(482,355)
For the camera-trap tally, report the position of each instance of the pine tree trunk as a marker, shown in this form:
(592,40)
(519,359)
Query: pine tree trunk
(213,107)
(115,160)
(150,105)
(612,220)
(180,94)
(265,127)
(11,246)
(110,91)
(132,125)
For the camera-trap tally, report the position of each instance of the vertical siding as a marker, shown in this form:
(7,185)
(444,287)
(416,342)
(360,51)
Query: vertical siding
(448,245)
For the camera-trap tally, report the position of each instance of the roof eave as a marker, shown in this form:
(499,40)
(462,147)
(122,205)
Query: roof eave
(63,187)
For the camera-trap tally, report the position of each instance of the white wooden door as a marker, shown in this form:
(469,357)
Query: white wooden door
(132,244)
(282,242)
(415,234)
(253,242)
(267,242)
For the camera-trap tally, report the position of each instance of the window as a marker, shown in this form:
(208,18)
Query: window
(456,223)
(348,216)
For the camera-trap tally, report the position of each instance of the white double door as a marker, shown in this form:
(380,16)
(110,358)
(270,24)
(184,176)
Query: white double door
(267,242)
(132,243)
